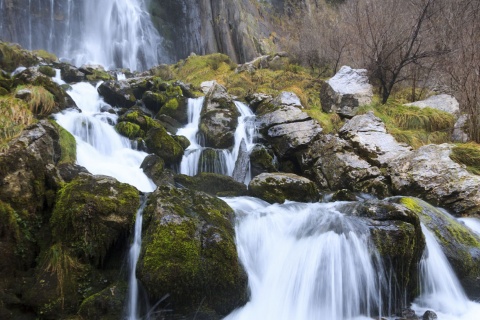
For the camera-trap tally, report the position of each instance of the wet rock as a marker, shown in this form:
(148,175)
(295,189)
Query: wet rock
(442,102)
(409,314)
(262,160)
(219,118)
(70,73)
(212,183)
(188,252)
(242,164)
(429,315)
(125,93)
(430,174)
(346,91)
(107,304)
(153,166)
(344,195)
(278,187)
(370,140)
(158,141)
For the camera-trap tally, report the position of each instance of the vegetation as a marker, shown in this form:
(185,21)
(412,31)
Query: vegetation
(40,101)
(469,155)
(15,115)
(68,145)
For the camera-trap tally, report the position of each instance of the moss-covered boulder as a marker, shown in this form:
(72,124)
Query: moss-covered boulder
(175,108)
(154,168)
(95,73)
(135,123)
(70,73)
(278,187)
(219,118)
(154,100)
(108,304)
(125,93)
(13,56)
(213,184)
(460,245)
(397,235)
(92,213)
(189,253)
(164,145)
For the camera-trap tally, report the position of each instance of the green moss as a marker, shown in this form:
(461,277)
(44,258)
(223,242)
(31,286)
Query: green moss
(47,56)
(164,145)
(46,70)
(107,304)
(68,145)
(130,130)
(13,56)
(467,154)
(172,104)
(99,75)
(9,221)
(412,204)
(174,91)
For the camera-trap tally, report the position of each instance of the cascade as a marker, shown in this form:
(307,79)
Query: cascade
(100,148)
(306,261)
(472,223)
(223,161)
(440,289)
(115,34)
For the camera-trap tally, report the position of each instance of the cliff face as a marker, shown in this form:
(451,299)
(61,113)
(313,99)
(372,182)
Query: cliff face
(239,29)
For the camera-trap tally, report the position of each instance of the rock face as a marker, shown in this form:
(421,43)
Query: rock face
(460,129)
(370,139)
(189,252)
(278,187)
(430,174)
(442,102)
(346,91)
(219,118)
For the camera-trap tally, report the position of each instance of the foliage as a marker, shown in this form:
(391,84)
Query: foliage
(469,155)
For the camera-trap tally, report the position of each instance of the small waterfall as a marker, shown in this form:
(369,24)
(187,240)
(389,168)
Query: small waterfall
(306,262)
(198,159)
(114,33)
(472,223)
(440,289)
(100,148)
(134,254)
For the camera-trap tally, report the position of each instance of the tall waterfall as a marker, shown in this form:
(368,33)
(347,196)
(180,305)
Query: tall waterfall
(440,288)
(224,160)
(114,33)
(306,262)
(100,148)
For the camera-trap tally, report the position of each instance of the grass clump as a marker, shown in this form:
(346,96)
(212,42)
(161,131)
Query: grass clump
(40,101)
(467,154)
(15,115)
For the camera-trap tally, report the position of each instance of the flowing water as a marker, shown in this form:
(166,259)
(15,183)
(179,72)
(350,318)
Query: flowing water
(195,159)
(472,223)
(113,33)
(306,261)
(100,149)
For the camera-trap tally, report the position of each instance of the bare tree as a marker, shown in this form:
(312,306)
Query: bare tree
(392,35)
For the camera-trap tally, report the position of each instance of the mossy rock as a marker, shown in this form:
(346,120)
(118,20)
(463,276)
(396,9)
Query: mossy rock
(176,108)
(68,145)
(460,245)
(278,187)
(154,168)
(262,160)
(13,56)
(46,70)
(139,118)
(154,101)
(189,252)
(130,130)
(99,75)
(92,213)
(213,184)
(164,145)
(108,304)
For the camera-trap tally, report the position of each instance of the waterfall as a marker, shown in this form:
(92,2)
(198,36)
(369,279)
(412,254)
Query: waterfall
(114,33)
(472,223)
(198,159)
(306,262)
(134,254)
(440,288)
(100,149)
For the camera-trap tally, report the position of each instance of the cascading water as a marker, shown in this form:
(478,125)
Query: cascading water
(472,223)
(440,288)
(114,33)
(306,262)
(100,149)
(224,160)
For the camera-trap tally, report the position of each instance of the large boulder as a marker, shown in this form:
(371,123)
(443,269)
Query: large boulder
(332,163)
(460,245)
(442,102)
(346,91)
(430,173)
(278,187)
(189,253)
(219,118)
(125,93)
(164,145)
(370,140)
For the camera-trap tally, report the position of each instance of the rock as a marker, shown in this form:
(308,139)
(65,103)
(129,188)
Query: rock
(212,183)
(154,101)
(175,108)
(219,118)
(125,93)
(154,168)
(262,160)
(290,137)
(70,73)
(346,91)
(430,173)
(460,129)
(107,304)
(91,213)
(409,314)
(332,163)
(442,102)
(278,187)
(95,72)
(429,315)
(164,145)
(69,171)
(344,195)
(135,123)
(205,86)
(188,252)
(370,139)
(286,98)
(459,244)
(256,99)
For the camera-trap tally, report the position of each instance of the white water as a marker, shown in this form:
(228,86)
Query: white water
(305,262)
(440,289)
(113,33)
(225,160)
(100,149)
(472,223)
